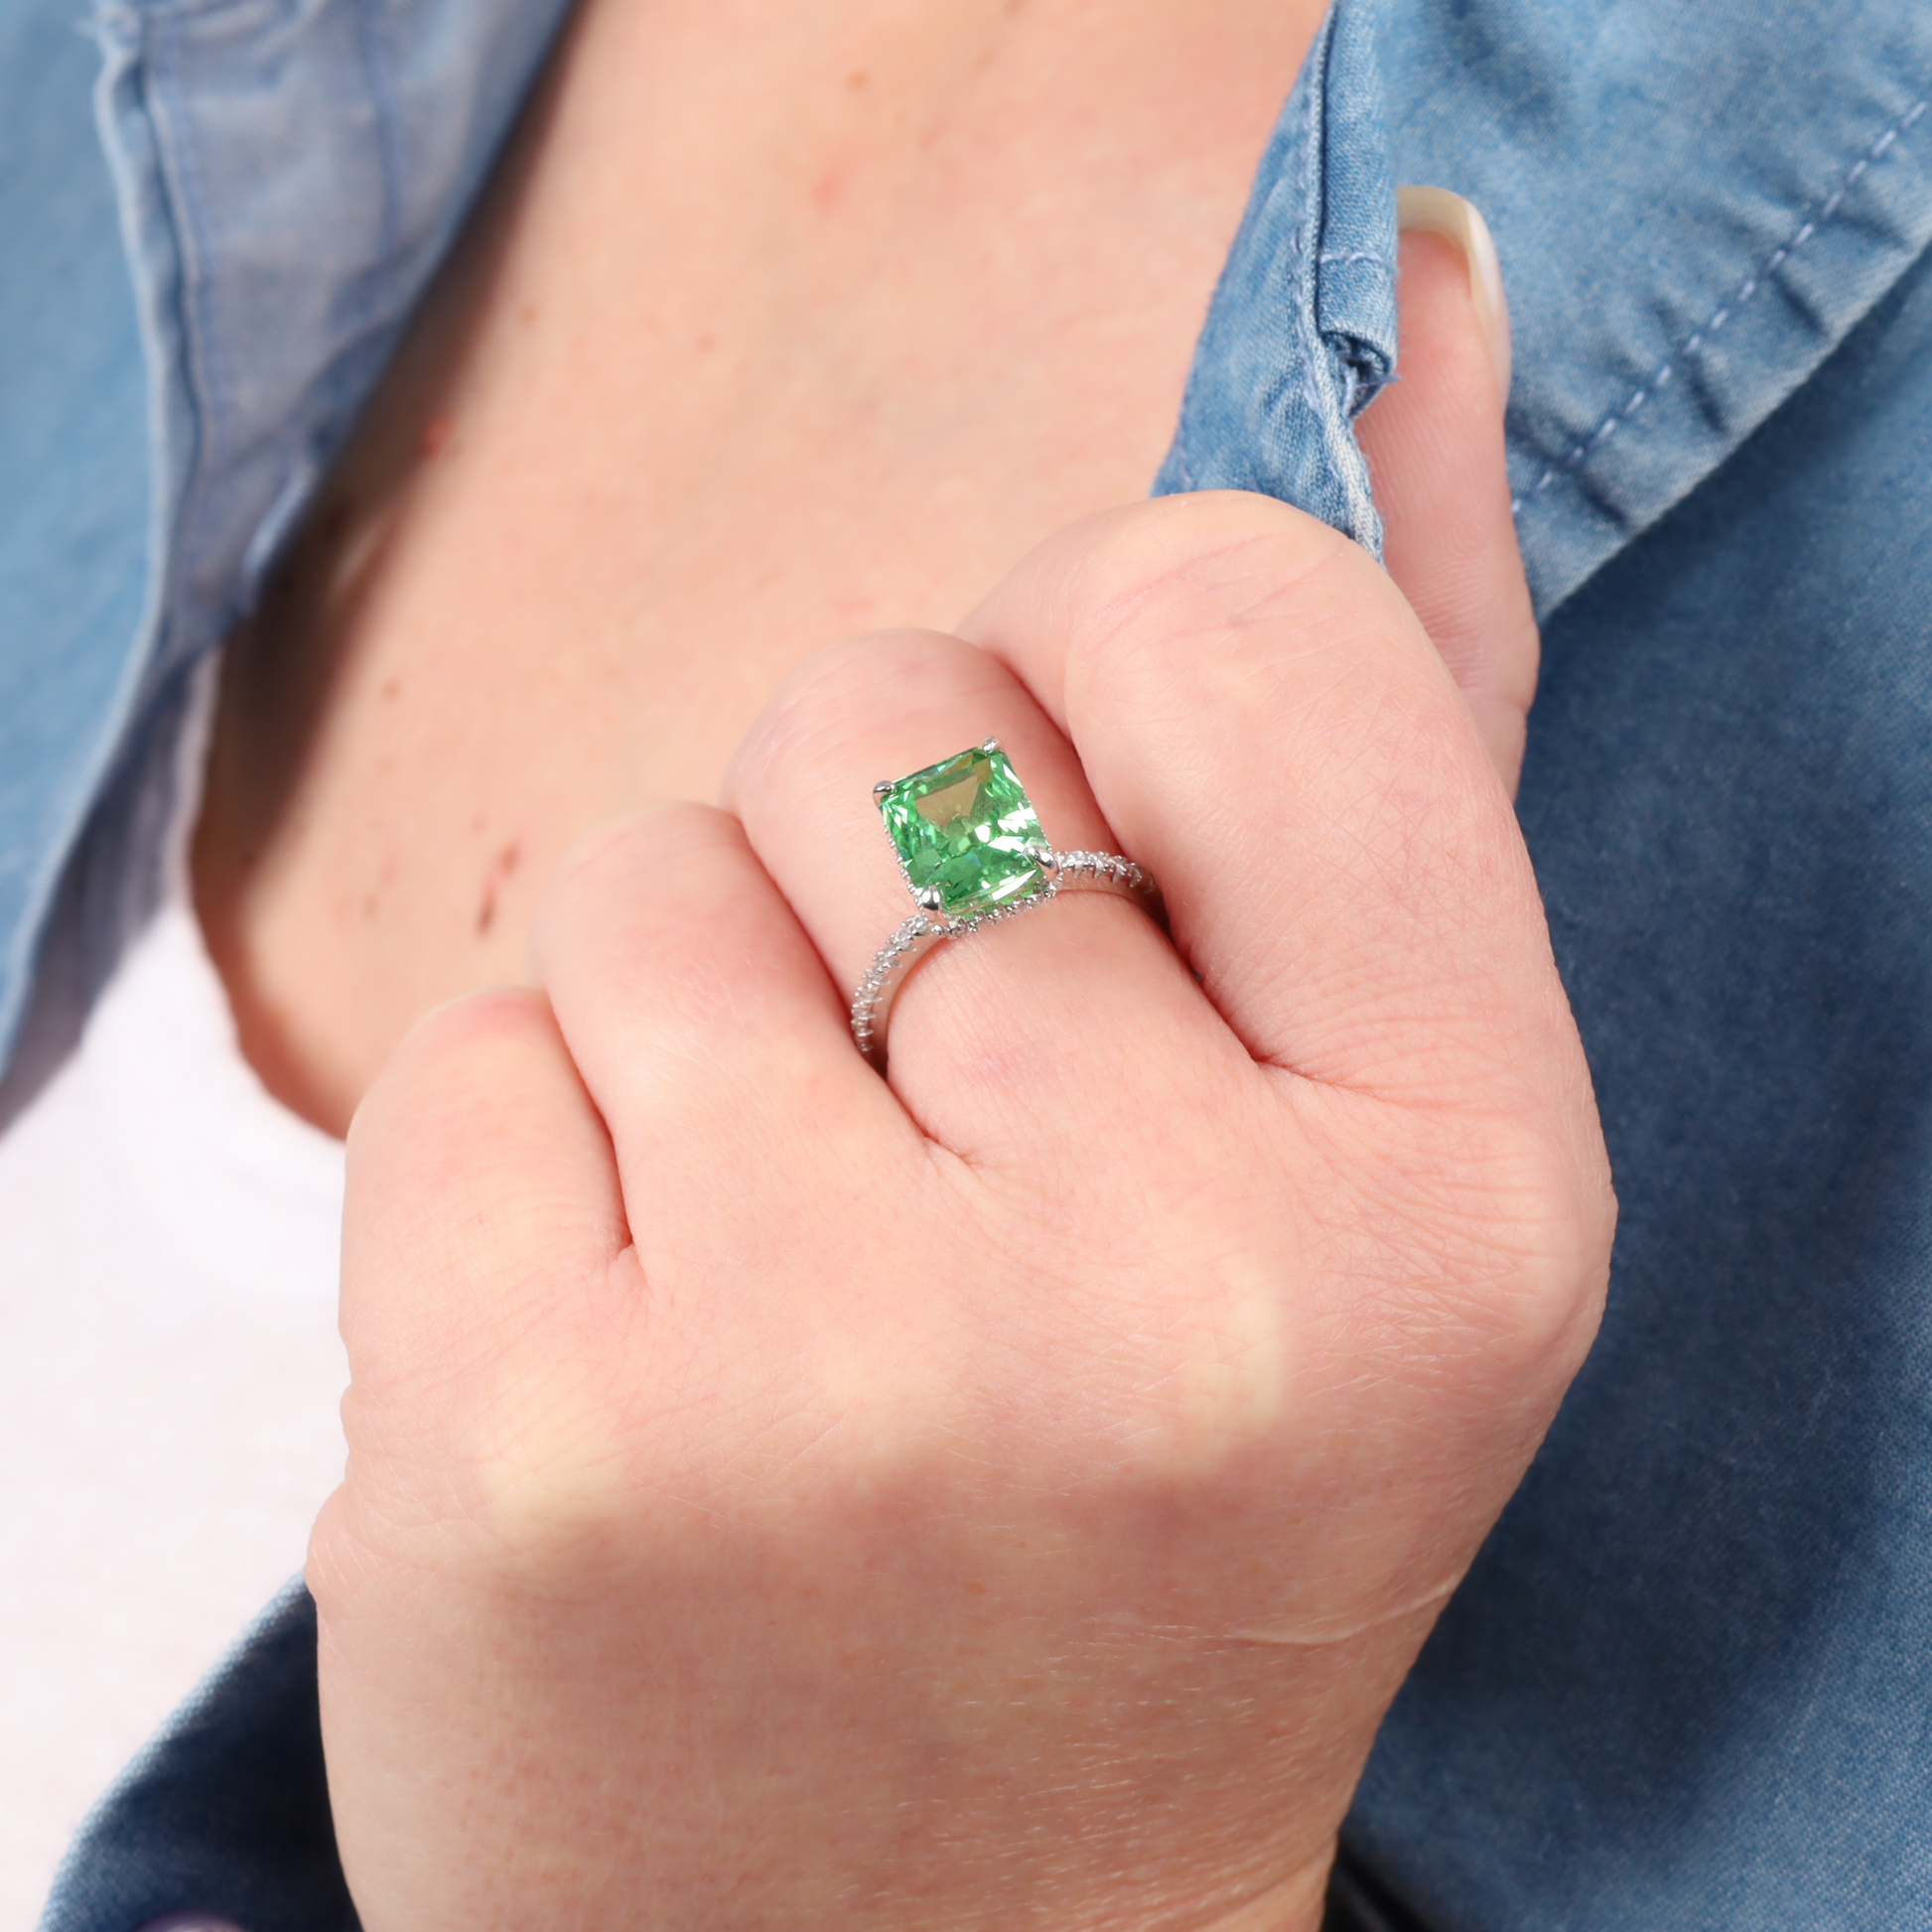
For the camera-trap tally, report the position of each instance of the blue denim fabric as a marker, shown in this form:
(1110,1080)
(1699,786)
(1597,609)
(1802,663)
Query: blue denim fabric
(288,175)
(1684,1684)
(74,492)
(1689,1682)
(226,1812)
(1693,205)
(1300,334)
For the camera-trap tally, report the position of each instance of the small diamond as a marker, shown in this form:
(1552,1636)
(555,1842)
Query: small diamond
(965,825)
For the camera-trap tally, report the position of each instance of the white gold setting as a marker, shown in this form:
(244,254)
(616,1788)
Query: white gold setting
(1077,872)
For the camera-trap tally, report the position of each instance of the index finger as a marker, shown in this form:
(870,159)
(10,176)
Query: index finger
(1265,722)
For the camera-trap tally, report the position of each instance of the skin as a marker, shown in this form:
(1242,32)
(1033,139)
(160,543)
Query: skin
(1010,1494)
(770,332)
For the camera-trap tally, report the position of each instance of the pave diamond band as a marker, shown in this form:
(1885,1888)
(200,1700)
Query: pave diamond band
(972,853)
(1090,872)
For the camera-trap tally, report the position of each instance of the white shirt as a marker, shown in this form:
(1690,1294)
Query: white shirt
(170,1381)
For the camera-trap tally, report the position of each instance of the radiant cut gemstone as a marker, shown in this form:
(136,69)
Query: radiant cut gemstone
(964,826)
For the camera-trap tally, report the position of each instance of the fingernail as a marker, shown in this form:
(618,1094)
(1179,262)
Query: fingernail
(1435,211)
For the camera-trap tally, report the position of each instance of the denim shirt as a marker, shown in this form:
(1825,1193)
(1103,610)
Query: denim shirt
(1684,1684)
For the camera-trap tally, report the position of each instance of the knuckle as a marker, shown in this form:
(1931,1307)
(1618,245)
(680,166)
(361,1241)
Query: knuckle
(1183,556)
(1493,1227)
(1250,612)
(611,853)
(879,670)
(438,1060)
(624,863)
(548,1476)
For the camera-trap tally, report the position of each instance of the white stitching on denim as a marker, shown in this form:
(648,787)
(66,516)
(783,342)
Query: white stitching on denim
(1311,131)
(1751,283)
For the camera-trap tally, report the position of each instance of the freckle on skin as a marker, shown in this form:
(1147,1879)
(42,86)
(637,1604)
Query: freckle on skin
(437,432)
(858,79)
(391,687)
(500,869)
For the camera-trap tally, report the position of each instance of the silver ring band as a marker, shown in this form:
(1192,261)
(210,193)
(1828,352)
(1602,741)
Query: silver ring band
(1067,872)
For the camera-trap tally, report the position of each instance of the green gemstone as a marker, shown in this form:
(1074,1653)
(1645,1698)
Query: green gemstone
(964,826)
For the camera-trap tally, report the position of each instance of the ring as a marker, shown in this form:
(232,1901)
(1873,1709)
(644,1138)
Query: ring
(972,853)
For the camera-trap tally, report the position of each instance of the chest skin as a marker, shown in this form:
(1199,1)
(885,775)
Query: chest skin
(777,324)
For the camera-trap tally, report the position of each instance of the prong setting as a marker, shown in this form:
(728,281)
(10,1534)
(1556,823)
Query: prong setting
(972,852)
(1039,874)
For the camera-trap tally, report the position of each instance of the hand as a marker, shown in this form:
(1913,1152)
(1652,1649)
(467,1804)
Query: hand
(1009,1496)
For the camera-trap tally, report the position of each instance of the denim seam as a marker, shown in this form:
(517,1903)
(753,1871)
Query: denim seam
(185,196)
(1666,371)
(1301,236)
(383,100)
(177,168)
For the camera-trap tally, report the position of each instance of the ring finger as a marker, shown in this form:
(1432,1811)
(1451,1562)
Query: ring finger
(1001,1033)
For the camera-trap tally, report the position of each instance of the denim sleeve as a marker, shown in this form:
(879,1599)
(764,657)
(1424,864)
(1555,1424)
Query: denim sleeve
(1302,331)
(1686,1683)
(226,1812)
(285,178)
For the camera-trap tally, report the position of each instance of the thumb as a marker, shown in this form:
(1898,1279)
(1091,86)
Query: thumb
(1433,442)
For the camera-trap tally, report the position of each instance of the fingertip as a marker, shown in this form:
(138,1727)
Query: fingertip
(426,1066)
(1440,211)
(599,871)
